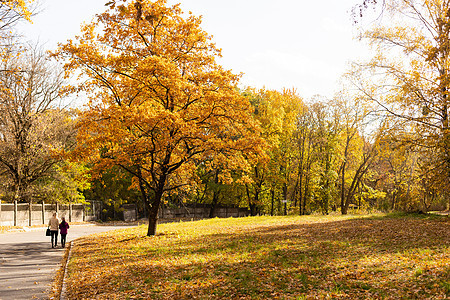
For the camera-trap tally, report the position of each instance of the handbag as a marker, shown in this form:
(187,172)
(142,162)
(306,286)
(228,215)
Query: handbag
(47,232)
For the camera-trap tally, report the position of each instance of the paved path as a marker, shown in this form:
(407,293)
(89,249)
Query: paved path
(28,264)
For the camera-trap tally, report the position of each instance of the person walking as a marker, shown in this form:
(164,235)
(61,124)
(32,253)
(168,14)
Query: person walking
(63,226)
(53,223)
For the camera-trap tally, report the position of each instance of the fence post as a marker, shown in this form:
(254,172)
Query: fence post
(70,212)
(15,212)
(30,209)
(43,212)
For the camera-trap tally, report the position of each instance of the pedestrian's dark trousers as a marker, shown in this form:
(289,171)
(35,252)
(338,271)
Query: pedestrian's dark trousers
(63,240)
(54,234)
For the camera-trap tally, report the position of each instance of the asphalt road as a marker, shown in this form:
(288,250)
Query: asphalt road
(28,264)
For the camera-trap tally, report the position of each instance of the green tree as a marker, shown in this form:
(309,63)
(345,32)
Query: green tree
(316,138)
(276,112)
(114,188)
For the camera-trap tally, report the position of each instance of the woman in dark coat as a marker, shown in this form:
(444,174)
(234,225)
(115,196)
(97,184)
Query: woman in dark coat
(63,226)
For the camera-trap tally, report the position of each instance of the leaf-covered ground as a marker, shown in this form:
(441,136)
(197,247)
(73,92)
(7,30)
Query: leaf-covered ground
(4,229)
(381,257)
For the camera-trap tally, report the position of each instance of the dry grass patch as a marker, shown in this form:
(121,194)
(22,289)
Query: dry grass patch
(268,258)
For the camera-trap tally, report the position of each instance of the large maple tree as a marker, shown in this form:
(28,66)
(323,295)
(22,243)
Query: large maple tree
(159,101)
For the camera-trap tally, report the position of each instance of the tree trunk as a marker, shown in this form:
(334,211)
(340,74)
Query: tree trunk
(285,190)
(394,200)
(294,194)
(253,210)
(30,213)
(152,222)
(343,209)
(326,199)
(214,204)
(301,169)
(446,136)
(215,195)
(305,196)
(252,206)
(362,169)
(152,205)
(272,192)
(300,194)
(153,213)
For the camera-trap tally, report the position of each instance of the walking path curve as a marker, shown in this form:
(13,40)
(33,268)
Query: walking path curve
(28,264)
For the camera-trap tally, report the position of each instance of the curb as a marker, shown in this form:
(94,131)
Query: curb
(63,295)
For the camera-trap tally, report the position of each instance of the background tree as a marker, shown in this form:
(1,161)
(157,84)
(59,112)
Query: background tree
(328,129)
(409,77)
(304,137)
(32,127)
(272,178)
(12,11)
(159,101)
(357,151)
(315,137)
(221,181)
(114,188)
(398,169)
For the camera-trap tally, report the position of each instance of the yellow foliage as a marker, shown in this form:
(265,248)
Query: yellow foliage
(158,99)
(20,7)
(409,77)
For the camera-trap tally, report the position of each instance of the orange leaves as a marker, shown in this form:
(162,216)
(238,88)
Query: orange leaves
(159,101)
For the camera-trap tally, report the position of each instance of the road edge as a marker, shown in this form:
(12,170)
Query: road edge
(62,285)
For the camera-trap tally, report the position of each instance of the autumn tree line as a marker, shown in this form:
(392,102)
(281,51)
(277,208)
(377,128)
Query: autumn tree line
(164,125)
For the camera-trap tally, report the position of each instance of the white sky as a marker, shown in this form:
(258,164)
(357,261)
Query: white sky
(299,44)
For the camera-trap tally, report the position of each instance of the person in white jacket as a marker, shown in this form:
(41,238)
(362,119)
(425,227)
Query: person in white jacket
(53,223)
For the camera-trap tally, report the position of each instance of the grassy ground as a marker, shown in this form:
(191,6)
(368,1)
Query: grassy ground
(352,257)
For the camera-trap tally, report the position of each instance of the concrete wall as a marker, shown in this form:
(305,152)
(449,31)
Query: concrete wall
(202,212)
(18,214)
(129,212)
(7,215)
